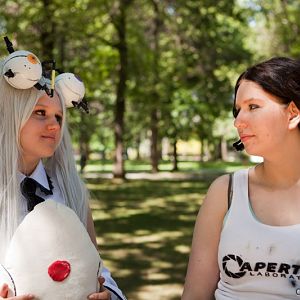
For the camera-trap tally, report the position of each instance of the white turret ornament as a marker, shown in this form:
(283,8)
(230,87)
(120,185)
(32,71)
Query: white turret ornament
(71,88)
(22,69)
(51,256)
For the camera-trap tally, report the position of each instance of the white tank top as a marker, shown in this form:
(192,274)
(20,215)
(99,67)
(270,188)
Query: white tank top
(256,261)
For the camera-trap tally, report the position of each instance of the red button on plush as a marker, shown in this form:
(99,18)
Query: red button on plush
(59,270)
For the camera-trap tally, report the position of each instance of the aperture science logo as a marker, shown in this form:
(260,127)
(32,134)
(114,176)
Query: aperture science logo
(238,260)
(235,267)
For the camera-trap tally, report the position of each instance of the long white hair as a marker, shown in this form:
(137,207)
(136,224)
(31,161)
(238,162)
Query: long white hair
(16,106)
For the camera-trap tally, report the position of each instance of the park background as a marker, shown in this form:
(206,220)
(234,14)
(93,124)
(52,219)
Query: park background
(159,77)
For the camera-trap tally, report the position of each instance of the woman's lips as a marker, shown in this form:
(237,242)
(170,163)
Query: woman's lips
(49,137)
(245,137)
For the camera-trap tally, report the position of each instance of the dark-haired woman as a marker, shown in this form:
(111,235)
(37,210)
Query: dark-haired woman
(247,246)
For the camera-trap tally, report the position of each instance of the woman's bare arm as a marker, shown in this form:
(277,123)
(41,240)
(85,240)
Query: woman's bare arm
(203,271)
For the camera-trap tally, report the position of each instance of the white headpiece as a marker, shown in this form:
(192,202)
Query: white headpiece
(23,70)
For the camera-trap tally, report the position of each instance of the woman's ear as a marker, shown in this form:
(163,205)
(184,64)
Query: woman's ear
(294,115)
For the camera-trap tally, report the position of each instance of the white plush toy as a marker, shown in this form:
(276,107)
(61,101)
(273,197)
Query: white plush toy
(70,88)
(51,256)
(22,69)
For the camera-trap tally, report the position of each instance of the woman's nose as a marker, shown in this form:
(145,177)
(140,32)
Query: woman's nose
(53,125)
(240,121)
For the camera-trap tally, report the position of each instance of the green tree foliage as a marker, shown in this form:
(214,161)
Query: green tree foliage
(210,42)
(152,69)
(275,27)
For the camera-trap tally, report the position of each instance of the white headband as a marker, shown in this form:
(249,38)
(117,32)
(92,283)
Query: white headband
(23,70)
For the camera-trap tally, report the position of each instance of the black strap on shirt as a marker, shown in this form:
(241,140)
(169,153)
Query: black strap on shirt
(230,190)
(28,189)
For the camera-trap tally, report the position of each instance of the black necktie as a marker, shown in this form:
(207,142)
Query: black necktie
(28,189)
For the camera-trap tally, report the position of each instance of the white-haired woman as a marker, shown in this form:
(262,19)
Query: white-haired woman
(35,143)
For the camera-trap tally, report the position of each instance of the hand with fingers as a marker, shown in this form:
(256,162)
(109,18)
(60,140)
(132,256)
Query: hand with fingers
(4,294)
(103,294)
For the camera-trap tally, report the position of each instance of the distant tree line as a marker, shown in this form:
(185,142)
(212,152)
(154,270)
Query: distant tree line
(153,69)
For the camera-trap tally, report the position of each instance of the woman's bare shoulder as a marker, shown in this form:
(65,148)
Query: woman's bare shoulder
(216,199)
(219,186)
(221,181)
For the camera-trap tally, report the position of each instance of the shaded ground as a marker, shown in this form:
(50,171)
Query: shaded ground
(144,227)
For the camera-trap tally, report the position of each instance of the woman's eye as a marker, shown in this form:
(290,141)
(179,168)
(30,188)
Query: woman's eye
(40,112)
(253,106)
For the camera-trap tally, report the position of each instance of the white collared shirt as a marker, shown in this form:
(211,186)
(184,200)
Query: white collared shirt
(39,175)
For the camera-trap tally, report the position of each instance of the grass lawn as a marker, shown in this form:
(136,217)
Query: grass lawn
(144,230)
(144,166)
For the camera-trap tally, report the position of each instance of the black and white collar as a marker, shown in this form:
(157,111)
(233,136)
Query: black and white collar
(39,175)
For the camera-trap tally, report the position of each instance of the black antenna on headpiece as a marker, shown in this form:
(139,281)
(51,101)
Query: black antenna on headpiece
(9,45)
(43,86)
(81,105)
(239,146)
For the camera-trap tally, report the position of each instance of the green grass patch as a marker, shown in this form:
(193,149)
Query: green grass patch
(145,166)
(144,230)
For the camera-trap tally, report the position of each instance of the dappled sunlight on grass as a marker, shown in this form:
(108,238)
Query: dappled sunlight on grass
(182,249)
(144,232)
(105,166)
(144,223)
(162,291)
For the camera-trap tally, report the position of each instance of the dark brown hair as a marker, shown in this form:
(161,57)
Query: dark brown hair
(279,76)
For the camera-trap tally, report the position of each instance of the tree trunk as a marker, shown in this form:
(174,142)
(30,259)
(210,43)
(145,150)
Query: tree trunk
(62,50)
(47,33)
(118,169)
(84,141)
(175,157)
(103,154)
(138,154)
(84,154)
(155,95)
(201,150)
(224,153)
(154,139)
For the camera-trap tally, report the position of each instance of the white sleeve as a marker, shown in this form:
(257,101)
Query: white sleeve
(111,285)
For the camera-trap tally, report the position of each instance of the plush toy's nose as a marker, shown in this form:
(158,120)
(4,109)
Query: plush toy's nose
(59,270)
